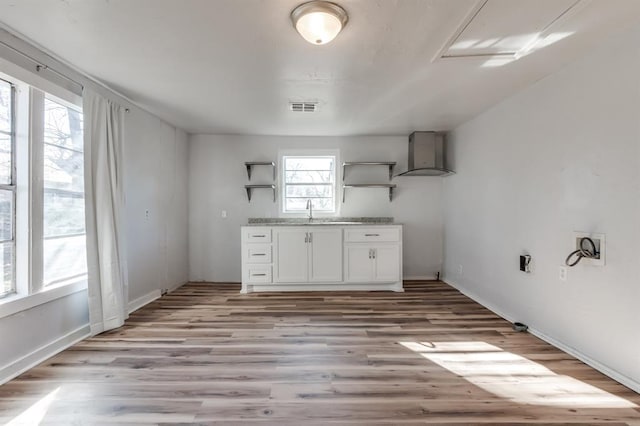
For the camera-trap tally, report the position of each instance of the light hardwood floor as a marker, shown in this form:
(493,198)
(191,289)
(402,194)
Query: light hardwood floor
(209,355)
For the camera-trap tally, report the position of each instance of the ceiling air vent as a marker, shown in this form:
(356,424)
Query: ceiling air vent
(303,106)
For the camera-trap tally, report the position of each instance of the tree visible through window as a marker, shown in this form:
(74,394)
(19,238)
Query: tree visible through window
(309,178)
(64,253)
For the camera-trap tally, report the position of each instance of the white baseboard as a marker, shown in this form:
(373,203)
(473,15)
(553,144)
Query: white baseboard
(607,371)
(283,287)
(175,287)
(419,278)
(618,377)
(43,353)
(138,303)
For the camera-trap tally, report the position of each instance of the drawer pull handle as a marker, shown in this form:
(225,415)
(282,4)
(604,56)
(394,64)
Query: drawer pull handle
(258,254)
(258,236)
(258,275)
(371,235)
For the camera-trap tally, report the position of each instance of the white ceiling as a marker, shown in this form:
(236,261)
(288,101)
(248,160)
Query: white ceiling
(232,66)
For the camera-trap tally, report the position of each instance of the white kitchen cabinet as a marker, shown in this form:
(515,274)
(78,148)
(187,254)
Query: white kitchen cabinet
(372,263)
(325,255)
(386,260)
(321,257)
(291,255)
(308,255)
(373,254)
(358,264)
(256,256)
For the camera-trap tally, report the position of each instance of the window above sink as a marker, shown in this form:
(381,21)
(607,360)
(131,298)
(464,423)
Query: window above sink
(309,175)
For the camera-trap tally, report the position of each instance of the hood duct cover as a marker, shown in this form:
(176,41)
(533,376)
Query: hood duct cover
(427,156)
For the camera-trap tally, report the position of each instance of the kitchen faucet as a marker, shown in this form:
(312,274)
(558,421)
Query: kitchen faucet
(310,208)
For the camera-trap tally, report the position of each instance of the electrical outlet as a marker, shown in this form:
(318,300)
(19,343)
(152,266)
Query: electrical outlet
(525,263)
(564,271)
(223,214)
(146,214)
(459,269)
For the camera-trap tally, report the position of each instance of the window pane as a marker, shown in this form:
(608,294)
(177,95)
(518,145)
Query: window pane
(63,213)
(300,204)
(64,251)
(308,163)
(64,258)
(309,191)
(6,265)
(63,169)
(62,125)
(5,159)
(292,204)
(308,176)
(5,107)
(6,215)
(322,204)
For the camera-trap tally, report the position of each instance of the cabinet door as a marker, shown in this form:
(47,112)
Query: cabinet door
(358,264)
(387,263)
(291,257)
(325,255)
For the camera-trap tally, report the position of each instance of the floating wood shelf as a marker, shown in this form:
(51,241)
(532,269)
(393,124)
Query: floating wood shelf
(369,185)
(250,188)
(250,164)
(390,164)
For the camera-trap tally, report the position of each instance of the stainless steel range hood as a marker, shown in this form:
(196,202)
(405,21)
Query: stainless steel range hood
(427,156)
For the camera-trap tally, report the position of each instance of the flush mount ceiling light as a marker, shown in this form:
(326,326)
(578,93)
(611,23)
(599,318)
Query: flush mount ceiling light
(319,22)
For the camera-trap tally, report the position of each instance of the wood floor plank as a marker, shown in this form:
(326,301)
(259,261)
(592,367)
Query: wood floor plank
(204,354)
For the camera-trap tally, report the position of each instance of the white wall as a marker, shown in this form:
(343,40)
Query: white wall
(33,335)
(217,178)
(156,160)
(561,156)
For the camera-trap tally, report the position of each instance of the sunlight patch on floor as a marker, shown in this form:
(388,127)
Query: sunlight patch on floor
(35,414)
(514,377)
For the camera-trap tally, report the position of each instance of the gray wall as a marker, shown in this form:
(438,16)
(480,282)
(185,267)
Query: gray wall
(561,156)
(218,176)
(156,159)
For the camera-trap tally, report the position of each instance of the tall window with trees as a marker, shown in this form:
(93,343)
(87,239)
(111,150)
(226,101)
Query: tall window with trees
(42,218)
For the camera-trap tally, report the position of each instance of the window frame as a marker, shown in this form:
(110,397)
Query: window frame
(28,95)
(40,152)
(310,153)
(12,187)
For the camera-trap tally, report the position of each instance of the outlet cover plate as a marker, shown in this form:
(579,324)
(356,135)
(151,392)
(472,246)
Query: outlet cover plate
(563,272)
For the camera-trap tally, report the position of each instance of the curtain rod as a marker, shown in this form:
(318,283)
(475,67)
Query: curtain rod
(40,66)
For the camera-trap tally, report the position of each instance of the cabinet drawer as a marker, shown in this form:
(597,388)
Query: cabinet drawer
(258,253)
(257,273)
(363,235)
(257,235)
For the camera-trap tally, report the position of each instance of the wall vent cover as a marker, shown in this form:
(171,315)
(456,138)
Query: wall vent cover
(303,106)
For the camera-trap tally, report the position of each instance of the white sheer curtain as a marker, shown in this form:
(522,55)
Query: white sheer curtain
(104,203)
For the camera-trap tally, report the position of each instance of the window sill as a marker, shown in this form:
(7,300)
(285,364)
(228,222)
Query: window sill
(18,303)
